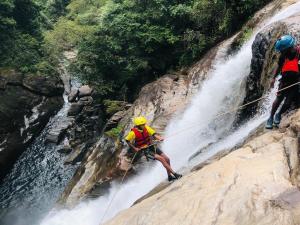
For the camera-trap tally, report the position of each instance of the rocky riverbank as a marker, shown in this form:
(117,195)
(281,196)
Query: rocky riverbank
(27,101)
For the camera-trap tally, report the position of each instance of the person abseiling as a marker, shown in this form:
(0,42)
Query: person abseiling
(289,70)
(140,139)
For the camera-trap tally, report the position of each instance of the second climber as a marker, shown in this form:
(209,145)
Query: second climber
(288,67)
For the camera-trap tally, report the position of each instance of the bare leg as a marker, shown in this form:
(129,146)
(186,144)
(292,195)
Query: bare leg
(164,163)
(166,158)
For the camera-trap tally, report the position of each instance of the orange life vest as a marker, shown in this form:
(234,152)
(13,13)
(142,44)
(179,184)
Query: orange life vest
(290,65)
(141,138)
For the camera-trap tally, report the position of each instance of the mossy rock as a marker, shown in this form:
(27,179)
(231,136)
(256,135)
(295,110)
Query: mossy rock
(115,132)
(113,106)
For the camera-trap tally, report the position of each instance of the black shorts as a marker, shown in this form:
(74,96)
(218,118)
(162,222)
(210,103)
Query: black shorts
(147,152)
(288,79)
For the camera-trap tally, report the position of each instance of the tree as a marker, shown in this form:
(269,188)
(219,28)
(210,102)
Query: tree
(25,14)
(7,23)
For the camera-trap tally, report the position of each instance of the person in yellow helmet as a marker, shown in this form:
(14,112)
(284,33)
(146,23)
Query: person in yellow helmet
(140,140)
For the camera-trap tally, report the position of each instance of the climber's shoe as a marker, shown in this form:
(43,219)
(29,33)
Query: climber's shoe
(177,175)
(277,119)
(269,124)
(171,178)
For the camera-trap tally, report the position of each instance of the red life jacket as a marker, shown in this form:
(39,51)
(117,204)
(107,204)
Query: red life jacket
(291,65)
(141,138)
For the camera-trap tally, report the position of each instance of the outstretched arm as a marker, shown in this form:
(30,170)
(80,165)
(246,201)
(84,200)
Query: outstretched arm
(158,137)
(278,69)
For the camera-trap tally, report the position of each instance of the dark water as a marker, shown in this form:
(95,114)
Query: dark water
(31,189)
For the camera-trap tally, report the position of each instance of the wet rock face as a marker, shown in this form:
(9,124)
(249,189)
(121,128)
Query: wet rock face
(158,101)
(264,60)
(94,172)
(256,184)
(87,125)
(26,104)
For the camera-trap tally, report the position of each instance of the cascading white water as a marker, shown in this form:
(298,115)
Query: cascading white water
(223,91)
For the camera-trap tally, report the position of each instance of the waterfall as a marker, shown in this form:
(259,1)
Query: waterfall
(223,91)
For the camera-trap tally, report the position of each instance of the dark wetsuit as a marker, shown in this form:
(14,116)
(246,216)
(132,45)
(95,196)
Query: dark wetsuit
(288,78)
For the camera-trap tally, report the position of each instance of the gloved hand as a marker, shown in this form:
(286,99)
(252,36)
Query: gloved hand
(137,149)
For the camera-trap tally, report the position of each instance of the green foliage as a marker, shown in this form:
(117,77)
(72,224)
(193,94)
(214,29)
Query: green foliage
(25,14)
(122,44)
(115,132)
(78,24)
(113,106)
(66,34)
(56,8)
(7,24)
(20,35)
(246,35)
(26,49)
(136,41)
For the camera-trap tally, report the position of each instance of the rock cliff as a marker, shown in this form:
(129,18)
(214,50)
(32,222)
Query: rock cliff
(160,101)
(26,104)
(256,184)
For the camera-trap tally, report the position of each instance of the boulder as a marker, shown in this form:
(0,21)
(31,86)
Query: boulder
(48,86)
(85,90)
(73,157)
(75,109)
(99,165)
(72,97)
(56,134)
(115,119)
(65,149)
(87,100)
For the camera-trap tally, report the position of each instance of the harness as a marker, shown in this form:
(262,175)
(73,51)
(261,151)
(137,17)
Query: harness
(148,154)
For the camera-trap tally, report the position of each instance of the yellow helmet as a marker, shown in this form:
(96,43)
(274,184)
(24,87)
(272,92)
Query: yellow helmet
(139,121)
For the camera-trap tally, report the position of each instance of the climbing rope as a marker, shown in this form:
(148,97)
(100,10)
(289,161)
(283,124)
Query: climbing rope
(113,197)
(123,178)
(231,110)
(183,130)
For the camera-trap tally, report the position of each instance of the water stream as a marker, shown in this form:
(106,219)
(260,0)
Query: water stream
(32,187)
(39,175)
